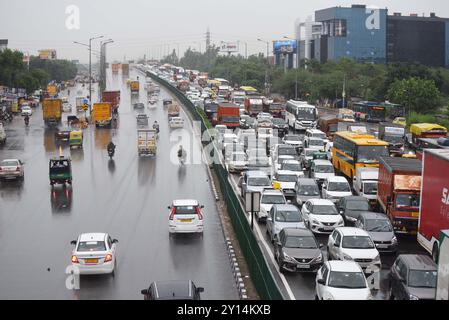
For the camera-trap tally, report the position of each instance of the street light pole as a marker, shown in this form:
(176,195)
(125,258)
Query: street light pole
(267,85)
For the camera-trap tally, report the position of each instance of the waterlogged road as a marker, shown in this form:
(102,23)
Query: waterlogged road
(127,197)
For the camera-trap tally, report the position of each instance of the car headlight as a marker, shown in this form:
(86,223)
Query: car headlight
(341,222)
(287,257)
(394,240)
(412,297)
(319,258)
(347,257)
(315,221)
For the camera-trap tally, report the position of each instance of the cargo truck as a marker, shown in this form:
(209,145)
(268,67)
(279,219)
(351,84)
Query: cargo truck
(434,209)
(102,114)
(135,86)
(52,90)
(228,114)
(253,105)
(443,267)
(394,134)
(398,192)
(115,67)
(52,111)
(113,97)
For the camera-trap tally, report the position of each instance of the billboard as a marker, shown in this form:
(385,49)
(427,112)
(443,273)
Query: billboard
(229,47)
(47,54)
(285,47)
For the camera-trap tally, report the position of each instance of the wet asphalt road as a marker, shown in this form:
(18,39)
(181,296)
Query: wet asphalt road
(126,197)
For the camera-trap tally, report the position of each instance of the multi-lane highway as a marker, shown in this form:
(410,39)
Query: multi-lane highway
(126,197)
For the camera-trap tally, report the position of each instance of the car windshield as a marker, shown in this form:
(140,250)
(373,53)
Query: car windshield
(291,167)
(371,154)
(394,139)
(273,199)
(370,188)
(339,187)
(287,152)
(357,205)
(259,182)
(378,225)
(292,138)
(279,122)
(316,142)
(287,178)
(347,280)
(357,242)
(324,210)
(91,246)
(308,190)
(309,153)
(9,163)
(407,202)
(185,209)
(298,242)
(422,279)
(319,135)
(324,169)
(288,216)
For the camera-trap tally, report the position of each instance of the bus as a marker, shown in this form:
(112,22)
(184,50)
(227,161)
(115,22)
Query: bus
(223,82)
(249,90)
(369,111)
(353,150)
(300,115)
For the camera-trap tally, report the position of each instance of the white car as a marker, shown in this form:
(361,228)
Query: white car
(186,217)
(94,253)
(321,216)
(264,115)
(315,143)
(281,217)
(341,280)
(293,166)
(268,198)
(321,170)
(237,162)
(353,244)
(287,181)
(335,188)
(11,169)
(315,133)
(176,122)
(293,140)
(26,111)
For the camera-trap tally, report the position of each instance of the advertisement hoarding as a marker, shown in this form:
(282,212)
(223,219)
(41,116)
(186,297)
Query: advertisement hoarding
(229,47)
(285,47)
(47,54)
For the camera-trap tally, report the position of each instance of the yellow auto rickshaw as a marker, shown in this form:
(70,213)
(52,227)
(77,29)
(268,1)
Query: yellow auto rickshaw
(76,139)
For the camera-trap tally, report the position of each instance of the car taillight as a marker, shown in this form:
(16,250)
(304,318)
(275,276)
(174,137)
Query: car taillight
(18,169)
(198,212)
(75,259)
(108,257)
(172,215)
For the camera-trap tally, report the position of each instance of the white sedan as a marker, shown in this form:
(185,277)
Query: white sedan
(94,253)
(341,280)
(26,111)
(11,169)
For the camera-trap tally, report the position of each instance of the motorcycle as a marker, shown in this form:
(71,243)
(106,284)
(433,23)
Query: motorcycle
(111,152)
(27,121)
(182,159)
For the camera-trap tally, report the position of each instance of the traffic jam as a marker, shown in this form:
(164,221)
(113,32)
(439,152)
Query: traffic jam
(347,195)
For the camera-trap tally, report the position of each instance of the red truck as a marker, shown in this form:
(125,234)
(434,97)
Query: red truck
(434,199)
(254,105)
(398,192)
(113,97)
(228,114)
(125,69)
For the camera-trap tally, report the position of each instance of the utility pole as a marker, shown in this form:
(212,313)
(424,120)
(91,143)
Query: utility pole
(267,84)
(207,39)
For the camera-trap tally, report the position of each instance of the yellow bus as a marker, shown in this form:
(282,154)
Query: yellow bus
(353,150)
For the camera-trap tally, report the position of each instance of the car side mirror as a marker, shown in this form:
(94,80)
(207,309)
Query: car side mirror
(336,244)
(73,242)
(169,207)
(115,241)
(321,281)
(144,292)
(200,289)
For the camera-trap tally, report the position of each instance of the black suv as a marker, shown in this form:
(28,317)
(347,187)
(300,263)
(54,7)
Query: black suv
(172,290)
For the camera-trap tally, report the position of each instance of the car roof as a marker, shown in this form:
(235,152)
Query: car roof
(298,232)
(286,172)
(272,191)
(10,160)
(350,231)
(256,174)
(321,202)
(92,237)
(337,179)
(344,266)
(307,181)
(355,198)
(321,162)
(418,261)
(173,288)
(185,202)
(286,207)
(373,215)
(291,162)
(314,131)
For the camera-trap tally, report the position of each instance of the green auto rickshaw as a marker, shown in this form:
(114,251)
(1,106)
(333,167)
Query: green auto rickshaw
(60,171)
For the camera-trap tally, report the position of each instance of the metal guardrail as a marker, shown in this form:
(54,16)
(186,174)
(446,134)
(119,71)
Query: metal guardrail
(260,272)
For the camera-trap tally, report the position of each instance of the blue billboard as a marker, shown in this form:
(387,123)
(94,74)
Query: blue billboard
(285,47)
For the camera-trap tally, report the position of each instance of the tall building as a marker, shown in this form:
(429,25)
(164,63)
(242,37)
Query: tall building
(357,32)
(3,44)
(424,40)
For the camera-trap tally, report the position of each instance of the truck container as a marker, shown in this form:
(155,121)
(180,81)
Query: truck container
(52,90)
(228,114)
(329,125)
(365,183)
(276,109)
(173,110)
(346,115)
(102,114)
(253,105)
(394,134)
(135,86)
(113,97)
(125,69)
(115,67)
(443,267)
(434,211)
(398,192)
(52,111)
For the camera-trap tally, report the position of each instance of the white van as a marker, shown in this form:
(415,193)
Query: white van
(365,183)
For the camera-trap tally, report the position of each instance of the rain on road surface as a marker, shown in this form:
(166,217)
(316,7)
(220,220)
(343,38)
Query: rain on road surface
(127,197)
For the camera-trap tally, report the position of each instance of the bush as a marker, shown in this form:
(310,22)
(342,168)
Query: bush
(205,119)
(420,118)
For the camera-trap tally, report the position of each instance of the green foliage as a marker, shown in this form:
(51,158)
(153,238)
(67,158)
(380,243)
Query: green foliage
(204,116)
(171,59)
(418,94)
(58,70)
(420,118)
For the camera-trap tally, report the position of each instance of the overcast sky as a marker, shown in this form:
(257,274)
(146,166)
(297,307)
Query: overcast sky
(150,27)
